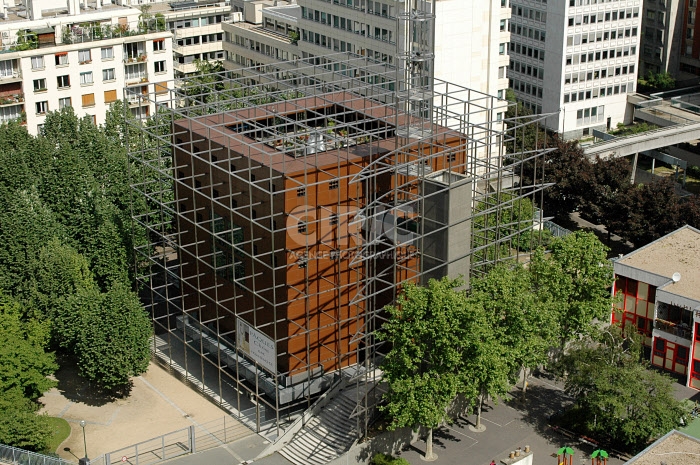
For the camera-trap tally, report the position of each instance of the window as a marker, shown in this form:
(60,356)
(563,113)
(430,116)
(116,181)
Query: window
(333,184)
(61,59)
(301,192)
(107,53)
(86,78)
(64,102)
(660,347)
(159,45)
(63,81)
(41,107)
(108,74)
(39,85)
(110,96)
(84,56)
(159,66)
(88,100)
(502,49)
(38,62)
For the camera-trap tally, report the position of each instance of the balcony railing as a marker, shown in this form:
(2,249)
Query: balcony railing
(13,99)
(134,60)
(76,34)
(681,330)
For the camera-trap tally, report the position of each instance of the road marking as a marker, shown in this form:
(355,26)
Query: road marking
(465,435)
(486,419)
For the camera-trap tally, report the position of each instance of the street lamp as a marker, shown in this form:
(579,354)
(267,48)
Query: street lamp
(85,460)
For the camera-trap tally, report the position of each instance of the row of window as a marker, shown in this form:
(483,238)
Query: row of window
(87,100)
(338,22)
(86,78)
(525,87)
(204,39)
(529,32)
(599,36)
(197,22)
(375,8)
(599,92)
(527,51)
(131,50)
(590,57)
(590,115)
(590,2)
(529,13)
(592,75)
(602,16)
(527,69)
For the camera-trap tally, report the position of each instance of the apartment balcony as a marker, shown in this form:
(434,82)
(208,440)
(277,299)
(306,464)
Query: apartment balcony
(134,79)
(7,75)
(91,32)
(10,100)
(678,329)
(136,59)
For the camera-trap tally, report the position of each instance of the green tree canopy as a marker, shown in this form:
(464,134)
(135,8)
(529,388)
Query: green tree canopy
(576,279)
(617,395)
(424,332)
(112,345)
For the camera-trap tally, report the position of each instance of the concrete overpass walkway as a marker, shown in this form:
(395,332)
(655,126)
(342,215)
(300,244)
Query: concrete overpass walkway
(650,140)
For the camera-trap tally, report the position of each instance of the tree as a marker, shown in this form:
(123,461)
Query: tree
(24,371)
(576,280)
(525,325)
(616,394)
(657,81)
(113,342)
(20,425)
(25,364)
(24,224)
(645,212)
(420,369)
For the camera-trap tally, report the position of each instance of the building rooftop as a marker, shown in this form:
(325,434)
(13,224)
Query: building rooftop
(185,6)
(676,252)
(675,448)
(19,12)
(293,135)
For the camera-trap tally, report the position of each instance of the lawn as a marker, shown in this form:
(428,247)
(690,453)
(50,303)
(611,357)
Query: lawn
(61,430)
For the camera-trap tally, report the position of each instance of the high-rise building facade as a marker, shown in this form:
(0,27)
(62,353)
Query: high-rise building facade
(471,38)
(663,34)
(575,58)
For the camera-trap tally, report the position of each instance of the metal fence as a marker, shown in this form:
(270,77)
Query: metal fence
(195,438)
(12,455)
(555,229)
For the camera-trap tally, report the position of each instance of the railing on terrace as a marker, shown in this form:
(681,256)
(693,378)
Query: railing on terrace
(677,329)
(195,438)
(14,456)
(76,34)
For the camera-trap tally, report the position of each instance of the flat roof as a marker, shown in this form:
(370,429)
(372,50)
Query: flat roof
(216,127)
(678,251)
(674,448)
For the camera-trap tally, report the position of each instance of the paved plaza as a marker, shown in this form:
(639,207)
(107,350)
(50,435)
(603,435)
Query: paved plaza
(159,403)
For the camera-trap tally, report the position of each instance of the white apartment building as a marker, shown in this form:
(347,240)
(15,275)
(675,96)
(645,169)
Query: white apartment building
(83,58)
(577,57)
(197,31)
(471,39)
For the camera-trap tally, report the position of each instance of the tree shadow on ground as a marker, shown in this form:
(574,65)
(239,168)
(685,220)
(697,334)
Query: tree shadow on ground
(75,388)
(540,404)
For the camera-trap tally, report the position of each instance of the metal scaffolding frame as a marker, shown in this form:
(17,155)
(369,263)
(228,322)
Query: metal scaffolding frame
(213,172)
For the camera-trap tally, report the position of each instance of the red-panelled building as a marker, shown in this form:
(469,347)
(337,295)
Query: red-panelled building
(658,291)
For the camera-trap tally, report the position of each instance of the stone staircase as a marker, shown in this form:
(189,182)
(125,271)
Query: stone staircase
(327,435)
